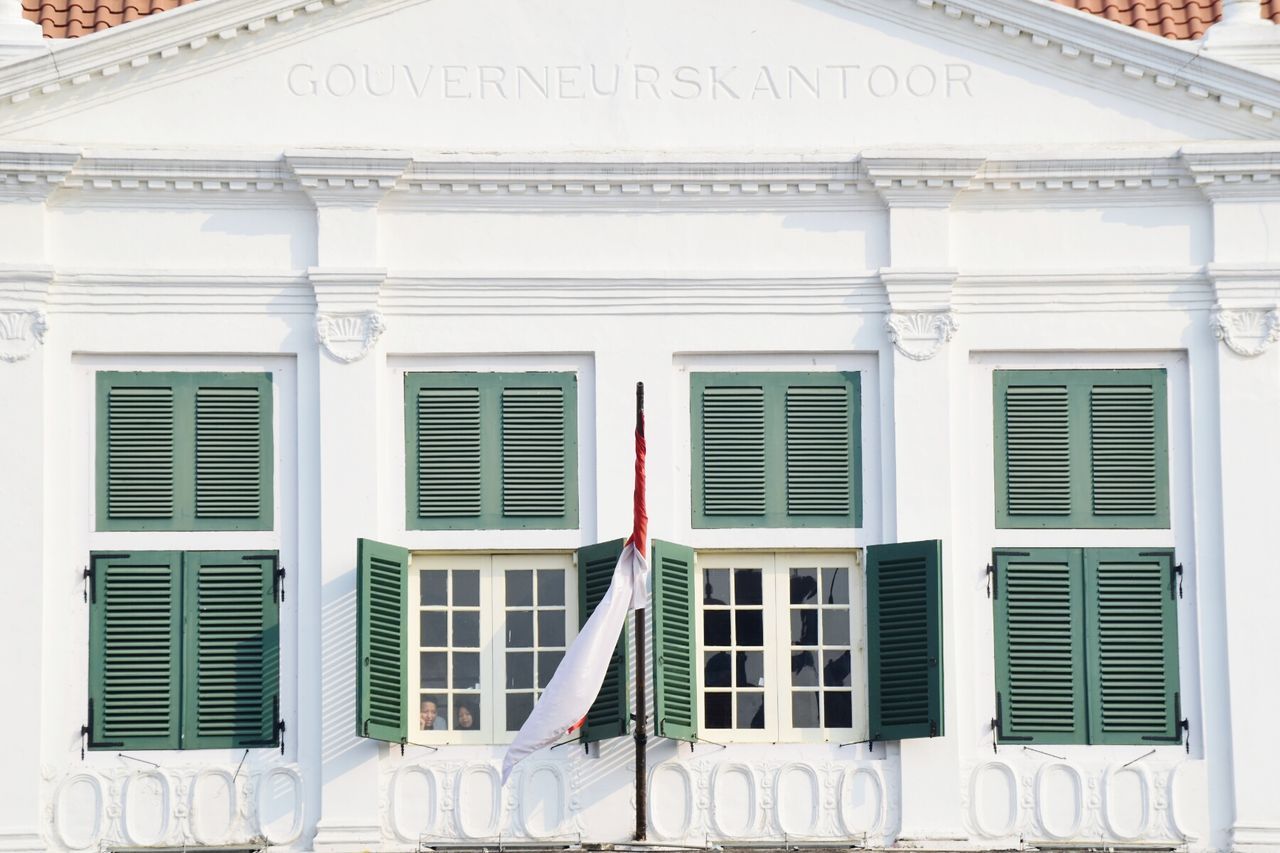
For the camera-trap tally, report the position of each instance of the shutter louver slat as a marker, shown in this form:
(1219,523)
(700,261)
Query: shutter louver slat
(1123,428)
(449,452)
(819,463)
(382,605)
(234,658)
(609,713)
(675,688)
(533,452)
(1038,451)
(733,451)
(1042,661)
(140,453)
(229,432)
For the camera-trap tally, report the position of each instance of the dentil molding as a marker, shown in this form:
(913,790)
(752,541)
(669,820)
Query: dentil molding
(20,333)
(349,337)
(919,335)
(1247,332)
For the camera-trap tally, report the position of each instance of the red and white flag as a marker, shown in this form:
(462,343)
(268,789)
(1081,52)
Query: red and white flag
(563,706)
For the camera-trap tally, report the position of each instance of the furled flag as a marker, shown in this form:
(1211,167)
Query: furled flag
(563,706)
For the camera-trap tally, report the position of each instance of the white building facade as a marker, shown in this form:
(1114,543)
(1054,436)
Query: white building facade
(321,322)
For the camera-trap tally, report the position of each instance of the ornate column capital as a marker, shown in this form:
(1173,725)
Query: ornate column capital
(24,292)
(920,320)
(1246,317)
(348,322)
(920,335)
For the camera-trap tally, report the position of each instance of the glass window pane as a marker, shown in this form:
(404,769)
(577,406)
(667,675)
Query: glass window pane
(550,587)
(837,708)
(434,669)
(519,629)
(434,628)
(519,670)
(804,586)
(547,663)
(747,586)
(715,628)
(466,588)
(835,627)
(804,711)
(717,669)
(804,627)
(466,671)
(433,712)
(750,710)
(715,589)
(835,669)
(519,588)
(466,629)
(804,669)
(466,712)
(519,706)
(750,627)
(550,627)
(835,586)
(718,710)
(750,669)
(433,588)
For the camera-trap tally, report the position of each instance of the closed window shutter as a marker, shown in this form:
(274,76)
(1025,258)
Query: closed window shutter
(135,665)
(1081,448)
(609,715)
(487,451)
(1133,646)
(232,650)
(1040,663)
(382,641)
(674,672)
(904,632)
(137,452)
(776,449)
(233,469)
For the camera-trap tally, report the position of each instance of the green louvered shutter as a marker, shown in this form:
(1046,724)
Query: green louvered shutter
(1132,625)
(1040,663)
(137,452)
(674,673)
(732,466)
(231,650)
(1081,448)
(904,633)
(820,451)
(382,575)
(609,716)
(487,451)
(135,664)
(233,451)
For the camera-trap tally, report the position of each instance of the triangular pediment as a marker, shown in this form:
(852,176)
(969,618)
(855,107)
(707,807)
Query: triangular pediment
(630,75)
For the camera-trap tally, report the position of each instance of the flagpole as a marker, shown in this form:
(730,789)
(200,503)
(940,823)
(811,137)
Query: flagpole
(642,728)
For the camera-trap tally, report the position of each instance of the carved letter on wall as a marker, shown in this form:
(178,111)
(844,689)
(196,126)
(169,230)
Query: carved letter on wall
(919,336)
(349,337)
(1249,333)
(20,333)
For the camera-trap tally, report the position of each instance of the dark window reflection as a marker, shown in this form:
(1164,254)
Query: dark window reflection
(804,627)
(804,586)
(715,628)
(519,588)
(433,588)
(434,669)
(547,663)
(434,626)
(716,670)
(519,706)
(750,627)
(838,709)
(835,627)
(466,671)
(466,629)
(835,586)
(835,669)
(718,710)
(550,587)
(750,669)
(804,669)
(466,588)
(519,670)
(519,629)
(551,628)
(747,587)
(715,588)
(751,710)
(804,711)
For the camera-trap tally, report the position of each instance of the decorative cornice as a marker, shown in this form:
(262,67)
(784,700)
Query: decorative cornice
(359,179)
(919,181)
(920,335)
(349,337)
(32,173)
(1242,171)
(20,333)
(154,175)
(1248,333)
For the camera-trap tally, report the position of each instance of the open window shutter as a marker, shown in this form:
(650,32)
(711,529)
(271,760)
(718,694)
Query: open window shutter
(233,454)
(137,451)
(821,457)
(1128,449)
(135,665)
(675,686)
(382,641)
(232,650)
(1040,664)
(1132,619)
(729,449)
(610,714)
(904,632)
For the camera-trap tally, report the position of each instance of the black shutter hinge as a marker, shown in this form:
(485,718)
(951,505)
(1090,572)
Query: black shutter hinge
(933,728)
(85,729)
(280,726)
(88,581)
(1178,572)
(995,727)
(278,583)
(991,576)
(1185,726)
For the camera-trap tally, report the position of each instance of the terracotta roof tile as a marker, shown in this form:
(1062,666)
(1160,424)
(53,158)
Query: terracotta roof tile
(1175,19)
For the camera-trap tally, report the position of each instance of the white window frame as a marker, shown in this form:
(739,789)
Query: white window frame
(776,567)
(492,567)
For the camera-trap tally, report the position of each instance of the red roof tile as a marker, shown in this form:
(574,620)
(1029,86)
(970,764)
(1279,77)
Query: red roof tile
(1175,19)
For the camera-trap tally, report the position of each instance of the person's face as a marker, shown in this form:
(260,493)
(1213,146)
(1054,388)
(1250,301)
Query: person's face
(464,717)
(428,714)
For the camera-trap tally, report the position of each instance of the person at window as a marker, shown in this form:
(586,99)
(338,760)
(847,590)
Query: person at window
(466,717)
(428,716)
